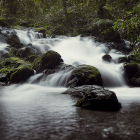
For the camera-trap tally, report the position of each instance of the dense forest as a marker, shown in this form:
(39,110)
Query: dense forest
(74,17)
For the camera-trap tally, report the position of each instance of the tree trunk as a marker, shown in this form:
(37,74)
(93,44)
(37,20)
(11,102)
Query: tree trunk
(68,20)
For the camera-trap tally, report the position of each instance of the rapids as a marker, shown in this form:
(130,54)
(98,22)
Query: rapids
(38,110)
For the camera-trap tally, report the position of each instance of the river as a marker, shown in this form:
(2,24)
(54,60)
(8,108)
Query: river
(38,110)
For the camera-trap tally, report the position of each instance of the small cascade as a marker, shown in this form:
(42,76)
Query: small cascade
(57,79)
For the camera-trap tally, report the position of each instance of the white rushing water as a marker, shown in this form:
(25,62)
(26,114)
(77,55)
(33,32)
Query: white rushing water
(37,110)
(75,51)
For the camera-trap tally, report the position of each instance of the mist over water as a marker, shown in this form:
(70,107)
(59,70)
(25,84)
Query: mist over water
(37,110)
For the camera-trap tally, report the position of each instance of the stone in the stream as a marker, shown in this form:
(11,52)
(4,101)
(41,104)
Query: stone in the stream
(85,75)
(95,97)
(13,40)
(107,58)
(21,73)
(48,60)
(132,72)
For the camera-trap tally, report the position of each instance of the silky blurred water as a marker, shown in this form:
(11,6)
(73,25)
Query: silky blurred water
(38,110)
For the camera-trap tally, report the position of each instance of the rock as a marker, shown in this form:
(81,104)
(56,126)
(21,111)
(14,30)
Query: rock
(13,51)
(107,58)
(123,59)
(3,78)
(131,69)
(16,70)
(13,40)
(132,72)
(21,73)
(41,30)
(95,97)
(24,52)
(85,75)
(103,29)
(48,60)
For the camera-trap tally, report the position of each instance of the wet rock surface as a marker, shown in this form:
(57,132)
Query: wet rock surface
(132,72)
(85,75)
(95,97)
(107,58)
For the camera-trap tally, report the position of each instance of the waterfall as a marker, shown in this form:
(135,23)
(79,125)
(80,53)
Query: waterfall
(74,51)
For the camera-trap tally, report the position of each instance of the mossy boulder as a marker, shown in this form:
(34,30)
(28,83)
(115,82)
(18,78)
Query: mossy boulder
(85,75)
(48,60)
(41,30)
(22,73)
(16,69)
(13,51)
(94,97)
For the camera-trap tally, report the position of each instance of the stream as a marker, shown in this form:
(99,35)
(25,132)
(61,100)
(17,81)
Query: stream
(38,110)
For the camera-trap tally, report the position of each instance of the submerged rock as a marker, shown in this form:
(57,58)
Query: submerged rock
(85,75)
(95,97)
(48,60)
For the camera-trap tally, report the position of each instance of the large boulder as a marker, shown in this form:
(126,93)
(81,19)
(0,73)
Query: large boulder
(85,75)
(48,60)
(94,97)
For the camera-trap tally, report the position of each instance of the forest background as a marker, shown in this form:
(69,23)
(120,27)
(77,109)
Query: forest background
(74,17)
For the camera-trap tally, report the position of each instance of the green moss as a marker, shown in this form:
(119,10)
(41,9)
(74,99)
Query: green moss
(11,64)
(21,73)
(47,61)
(13,51)
(90,72)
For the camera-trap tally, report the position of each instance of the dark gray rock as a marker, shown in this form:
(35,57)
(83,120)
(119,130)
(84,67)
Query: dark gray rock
(107,58)
(94,97)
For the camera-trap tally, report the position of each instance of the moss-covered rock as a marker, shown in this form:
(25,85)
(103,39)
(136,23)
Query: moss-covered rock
(13,51)
(14,41)
(16,69)
(22,73)
(85,75)
(48,60)
(104,30)
(41,30)
(94,97)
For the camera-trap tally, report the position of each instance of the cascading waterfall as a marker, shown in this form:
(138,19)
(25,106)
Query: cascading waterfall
(36,109)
